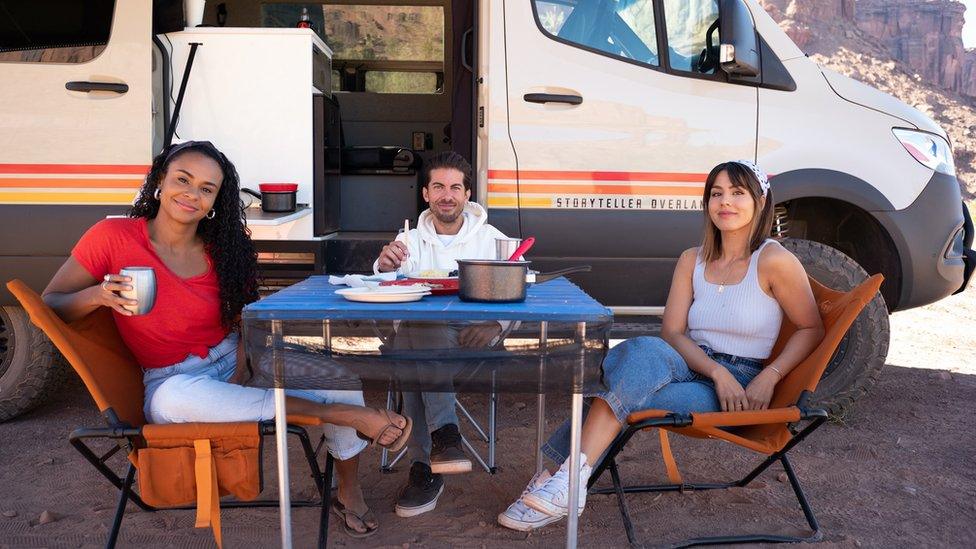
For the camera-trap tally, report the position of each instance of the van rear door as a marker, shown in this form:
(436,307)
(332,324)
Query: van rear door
(76,124)
(613,139)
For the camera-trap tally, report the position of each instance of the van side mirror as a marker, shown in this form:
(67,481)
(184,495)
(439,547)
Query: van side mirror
(739,50)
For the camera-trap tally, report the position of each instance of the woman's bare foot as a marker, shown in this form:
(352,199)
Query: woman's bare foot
(360,518)
(382,426)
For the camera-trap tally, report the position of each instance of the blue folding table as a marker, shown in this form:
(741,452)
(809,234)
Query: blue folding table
(568,361)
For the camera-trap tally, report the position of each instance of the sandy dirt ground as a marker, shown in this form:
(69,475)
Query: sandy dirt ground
(900,471)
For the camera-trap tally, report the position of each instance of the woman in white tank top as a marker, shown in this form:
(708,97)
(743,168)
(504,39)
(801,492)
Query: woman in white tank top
(723,315)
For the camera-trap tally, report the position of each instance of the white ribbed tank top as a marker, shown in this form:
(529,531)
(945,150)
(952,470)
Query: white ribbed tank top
(741,320)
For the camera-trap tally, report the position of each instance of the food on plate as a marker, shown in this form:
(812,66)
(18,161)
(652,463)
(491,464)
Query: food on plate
(432,273)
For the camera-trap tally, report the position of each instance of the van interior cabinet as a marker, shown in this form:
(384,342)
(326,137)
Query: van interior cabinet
(253,92)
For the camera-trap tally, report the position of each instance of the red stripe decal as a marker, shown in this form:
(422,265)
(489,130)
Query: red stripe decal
(133,169)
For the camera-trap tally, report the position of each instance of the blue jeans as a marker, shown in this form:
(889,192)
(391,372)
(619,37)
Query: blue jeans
(197,390)
(429,410)
(646,373)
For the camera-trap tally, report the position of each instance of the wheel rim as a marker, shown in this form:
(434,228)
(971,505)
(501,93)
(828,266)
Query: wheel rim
(6,341)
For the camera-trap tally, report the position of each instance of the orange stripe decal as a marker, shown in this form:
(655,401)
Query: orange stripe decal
(59,183)
(594,189)
(549,175)
(101,169)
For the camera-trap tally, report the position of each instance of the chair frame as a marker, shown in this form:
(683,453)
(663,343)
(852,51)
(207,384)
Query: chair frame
(815,416)
(128,439)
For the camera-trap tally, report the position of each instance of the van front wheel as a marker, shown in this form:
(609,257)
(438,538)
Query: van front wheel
(30,371)
(857,364)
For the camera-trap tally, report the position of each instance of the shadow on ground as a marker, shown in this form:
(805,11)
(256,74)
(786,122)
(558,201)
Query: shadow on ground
(898,471)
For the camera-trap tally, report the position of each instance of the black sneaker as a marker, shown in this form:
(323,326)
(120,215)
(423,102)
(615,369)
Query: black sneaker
(421,492)
(446,455)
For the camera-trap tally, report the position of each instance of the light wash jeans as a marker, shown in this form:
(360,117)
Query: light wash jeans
(646,373)
(197,390)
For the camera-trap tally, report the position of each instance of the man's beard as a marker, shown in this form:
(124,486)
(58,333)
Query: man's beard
(446,218)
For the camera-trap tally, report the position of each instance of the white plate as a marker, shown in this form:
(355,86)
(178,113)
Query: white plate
(412,289)
(372,295)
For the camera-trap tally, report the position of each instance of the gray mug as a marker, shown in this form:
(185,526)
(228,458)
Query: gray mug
(505,247)
(143,289)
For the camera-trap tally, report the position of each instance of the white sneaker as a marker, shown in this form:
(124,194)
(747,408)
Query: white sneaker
(519,516)
(552,497)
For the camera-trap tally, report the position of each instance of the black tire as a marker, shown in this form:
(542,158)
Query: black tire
(860,357)
(30,368)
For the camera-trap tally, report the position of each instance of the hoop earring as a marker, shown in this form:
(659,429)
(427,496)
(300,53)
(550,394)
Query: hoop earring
(212,214)
(156,194)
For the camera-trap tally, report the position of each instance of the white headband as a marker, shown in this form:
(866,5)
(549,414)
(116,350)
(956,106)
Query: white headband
(760,175)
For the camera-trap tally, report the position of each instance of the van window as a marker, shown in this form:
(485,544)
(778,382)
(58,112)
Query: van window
(54,31)
(688,23)
(376,48)
(618,28)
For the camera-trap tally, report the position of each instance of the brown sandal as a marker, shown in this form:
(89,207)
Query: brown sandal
(397,443)
(344,513)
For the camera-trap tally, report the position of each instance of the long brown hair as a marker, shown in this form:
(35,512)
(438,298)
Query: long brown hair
(762,222)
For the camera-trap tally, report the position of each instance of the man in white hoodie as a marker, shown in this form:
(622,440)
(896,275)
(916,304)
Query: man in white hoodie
(452,228)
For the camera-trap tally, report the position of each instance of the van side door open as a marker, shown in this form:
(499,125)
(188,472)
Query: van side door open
(617,112)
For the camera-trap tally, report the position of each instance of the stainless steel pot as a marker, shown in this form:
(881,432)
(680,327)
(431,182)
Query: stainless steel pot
(492,281)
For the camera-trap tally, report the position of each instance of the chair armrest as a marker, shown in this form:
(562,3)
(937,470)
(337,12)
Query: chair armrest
(746,417)
(104,432)
(303,420)
(658,418)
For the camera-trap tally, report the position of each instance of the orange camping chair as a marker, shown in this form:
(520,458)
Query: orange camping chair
(769,432)
(178,464)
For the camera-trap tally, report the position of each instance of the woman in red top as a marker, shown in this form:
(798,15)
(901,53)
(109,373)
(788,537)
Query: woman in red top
(187,225)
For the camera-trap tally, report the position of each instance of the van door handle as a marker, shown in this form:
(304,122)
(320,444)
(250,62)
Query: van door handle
(553,98)
(80,86)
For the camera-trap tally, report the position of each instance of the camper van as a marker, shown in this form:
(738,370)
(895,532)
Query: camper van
(591,125)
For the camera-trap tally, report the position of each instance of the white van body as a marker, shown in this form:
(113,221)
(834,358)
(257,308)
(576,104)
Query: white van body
(595,141)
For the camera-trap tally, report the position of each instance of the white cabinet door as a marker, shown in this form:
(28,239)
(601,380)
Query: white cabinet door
(611,172)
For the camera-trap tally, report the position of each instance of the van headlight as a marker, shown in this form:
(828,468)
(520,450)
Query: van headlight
(930,150)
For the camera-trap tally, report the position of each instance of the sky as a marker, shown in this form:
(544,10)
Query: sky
(969,29)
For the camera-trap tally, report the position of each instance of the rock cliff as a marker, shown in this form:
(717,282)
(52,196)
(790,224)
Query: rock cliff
(926,35)
(910,49)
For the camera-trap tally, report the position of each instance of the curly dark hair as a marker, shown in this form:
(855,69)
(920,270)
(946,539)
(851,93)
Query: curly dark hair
(226,238)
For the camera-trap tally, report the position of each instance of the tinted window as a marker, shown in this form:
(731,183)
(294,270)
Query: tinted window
(688,22)
(54,31)
(619,28)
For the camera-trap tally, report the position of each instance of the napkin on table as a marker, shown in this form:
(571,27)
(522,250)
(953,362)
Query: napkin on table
(360,281)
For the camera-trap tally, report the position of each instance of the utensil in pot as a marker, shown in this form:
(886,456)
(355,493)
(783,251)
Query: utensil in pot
(504,247)
(524,247)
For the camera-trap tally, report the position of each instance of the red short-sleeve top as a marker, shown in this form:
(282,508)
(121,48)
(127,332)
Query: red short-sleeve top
(185,319)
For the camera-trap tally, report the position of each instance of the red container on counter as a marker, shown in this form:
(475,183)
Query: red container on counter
(278,197)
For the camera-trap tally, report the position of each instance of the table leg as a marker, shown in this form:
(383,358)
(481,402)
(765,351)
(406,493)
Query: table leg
(492,411)
(541,409)
(572,520)
(281,436)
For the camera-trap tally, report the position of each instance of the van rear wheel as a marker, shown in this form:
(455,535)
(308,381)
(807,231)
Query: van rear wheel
(857,364)
(30,369)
